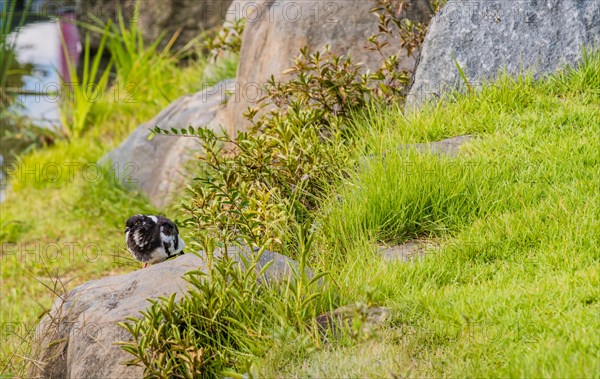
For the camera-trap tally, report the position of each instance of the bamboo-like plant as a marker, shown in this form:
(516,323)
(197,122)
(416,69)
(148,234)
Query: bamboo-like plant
(82,92)
(7,45)
(141,69)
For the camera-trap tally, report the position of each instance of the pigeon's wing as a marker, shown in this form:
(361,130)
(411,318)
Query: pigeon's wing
(143,237)
(169,236)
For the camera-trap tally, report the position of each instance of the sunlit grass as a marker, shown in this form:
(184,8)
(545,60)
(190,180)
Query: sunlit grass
(511,286)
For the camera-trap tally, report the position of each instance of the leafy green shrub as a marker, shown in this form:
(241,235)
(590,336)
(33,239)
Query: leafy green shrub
(227,40)
(261,181)
(217,312)
(277,170)
(329,84)
(226,320)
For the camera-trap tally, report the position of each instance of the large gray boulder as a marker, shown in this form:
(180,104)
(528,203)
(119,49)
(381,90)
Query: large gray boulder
(277,30)
(487,36)
(76,339)
(156,167)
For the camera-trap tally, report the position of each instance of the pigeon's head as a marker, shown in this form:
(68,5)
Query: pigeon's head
(134,222)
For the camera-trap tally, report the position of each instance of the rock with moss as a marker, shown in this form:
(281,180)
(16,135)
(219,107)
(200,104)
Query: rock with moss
(486,37)
(76,339)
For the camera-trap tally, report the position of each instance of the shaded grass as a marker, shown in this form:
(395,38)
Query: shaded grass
(511,287)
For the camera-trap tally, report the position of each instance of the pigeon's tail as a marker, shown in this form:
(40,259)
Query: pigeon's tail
(176,255)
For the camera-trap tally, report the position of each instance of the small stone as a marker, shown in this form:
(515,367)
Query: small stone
(449,147)
(406,252)
(331,322)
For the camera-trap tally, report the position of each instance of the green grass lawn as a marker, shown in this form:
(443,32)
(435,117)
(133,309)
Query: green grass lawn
(512,286)
(61,228)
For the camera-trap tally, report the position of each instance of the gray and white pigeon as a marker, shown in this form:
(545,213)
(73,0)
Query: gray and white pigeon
(152,239)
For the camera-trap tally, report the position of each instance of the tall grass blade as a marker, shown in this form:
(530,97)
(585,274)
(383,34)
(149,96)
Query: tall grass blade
(463,76)
(83,91)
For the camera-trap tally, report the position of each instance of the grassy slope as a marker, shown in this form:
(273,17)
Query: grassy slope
(512,290)
(57,235)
